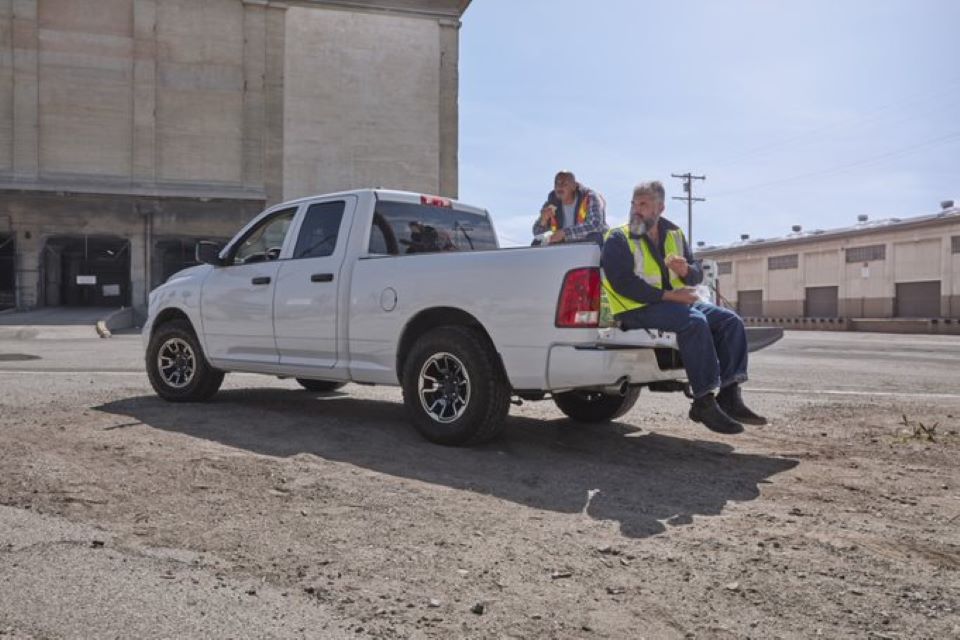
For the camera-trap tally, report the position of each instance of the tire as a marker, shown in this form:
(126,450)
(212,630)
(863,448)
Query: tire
(595,406)
(319,386)
(453,388)
(176,366)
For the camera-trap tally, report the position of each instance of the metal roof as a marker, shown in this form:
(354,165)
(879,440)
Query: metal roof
(438,8)
(947,216)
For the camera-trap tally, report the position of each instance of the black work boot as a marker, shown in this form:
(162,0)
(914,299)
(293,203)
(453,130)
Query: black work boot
(706,410)
(731,402)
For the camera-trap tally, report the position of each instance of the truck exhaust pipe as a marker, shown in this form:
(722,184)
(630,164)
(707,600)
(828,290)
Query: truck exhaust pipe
(618,388)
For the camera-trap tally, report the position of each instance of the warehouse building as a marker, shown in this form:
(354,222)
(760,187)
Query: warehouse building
(131,128)
(873,270)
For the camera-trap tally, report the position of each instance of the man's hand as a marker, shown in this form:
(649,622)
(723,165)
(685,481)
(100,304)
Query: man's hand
(687,295)
(677,264)
(557,236)
(548,215)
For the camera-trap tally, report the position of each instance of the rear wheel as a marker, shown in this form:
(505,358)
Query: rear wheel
(596,406)
(176,366)
(319,386)
(453,389)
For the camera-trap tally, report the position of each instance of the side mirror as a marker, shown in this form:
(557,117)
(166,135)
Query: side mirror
(207,252)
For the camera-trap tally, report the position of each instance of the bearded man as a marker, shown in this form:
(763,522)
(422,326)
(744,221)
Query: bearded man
(649,277)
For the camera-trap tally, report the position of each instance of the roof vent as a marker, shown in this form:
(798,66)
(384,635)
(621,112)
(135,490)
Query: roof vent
(796,228)
(946,204)
(744,236)
(862,217)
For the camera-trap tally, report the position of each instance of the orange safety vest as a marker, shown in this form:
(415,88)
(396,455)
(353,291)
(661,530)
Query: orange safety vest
(581,215)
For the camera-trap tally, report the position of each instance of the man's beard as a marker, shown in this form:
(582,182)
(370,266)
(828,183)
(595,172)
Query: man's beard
(638,226)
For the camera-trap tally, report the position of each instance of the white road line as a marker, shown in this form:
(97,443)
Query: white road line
(105,372)
(72,372)
(839,392)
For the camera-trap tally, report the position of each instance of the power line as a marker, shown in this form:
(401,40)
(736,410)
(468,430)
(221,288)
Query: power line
(846,167)
(688,179)
(870,118)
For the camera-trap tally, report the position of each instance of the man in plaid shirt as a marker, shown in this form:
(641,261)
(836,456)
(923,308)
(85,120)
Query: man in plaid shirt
(572,212)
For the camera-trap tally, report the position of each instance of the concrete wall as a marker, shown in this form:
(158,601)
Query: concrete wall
(198,102)
(361,102)
(865,289)
(221,98)
(120,96)
(6,86)
(200,91)
(85,52)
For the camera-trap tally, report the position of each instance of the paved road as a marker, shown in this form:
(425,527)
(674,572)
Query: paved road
(803,362)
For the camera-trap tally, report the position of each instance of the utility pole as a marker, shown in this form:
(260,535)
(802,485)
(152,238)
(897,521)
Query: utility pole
(688,179)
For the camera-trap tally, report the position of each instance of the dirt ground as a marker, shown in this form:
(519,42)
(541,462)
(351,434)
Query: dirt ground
(275,512)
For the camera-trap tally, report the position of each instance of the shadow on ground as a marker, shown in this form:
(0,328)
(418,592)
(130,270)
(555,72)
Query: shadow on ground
(643,481)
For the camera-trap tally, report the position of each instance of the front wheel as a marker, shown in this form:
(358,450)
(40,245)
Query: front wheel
(176,366)
(596,406)
(453,389)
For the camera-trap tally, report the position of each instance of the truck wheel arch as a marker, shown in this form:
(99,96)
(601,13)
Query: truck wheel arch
(433,318)
(172,313)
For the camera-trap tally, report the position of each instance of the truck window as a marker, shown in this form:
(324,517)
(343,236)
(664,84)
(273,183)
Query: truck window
(401,228)
(318,233)
(265,240)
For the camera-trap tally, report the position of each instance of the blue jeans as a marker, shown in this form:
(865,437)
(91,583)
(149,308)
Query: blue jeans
(712,340)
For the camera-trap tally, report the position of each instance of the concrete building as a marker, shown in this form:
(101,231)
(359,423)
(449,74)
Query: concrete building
(895,268)
(130,128)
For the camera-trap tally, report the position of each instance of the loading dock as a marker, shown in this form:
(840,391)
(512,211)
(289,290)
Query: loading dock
(821,302)
(8,278)
(86,271)
(917,299)
(750,303)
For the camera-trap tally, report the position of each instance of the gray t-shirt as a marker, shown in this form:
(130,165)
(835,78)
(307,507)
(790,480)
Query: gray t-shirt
(569,214)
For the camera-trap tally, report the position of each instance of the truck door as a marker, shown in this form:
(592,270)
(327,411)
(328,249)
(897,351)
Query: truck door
(306,303)
(237,299)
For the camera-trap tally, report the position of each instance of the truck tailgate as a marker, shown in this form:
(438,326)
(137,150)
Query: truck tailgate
(615,338)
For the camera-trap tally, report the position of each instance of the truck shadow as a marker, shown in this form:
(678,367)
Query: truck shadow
(646,482)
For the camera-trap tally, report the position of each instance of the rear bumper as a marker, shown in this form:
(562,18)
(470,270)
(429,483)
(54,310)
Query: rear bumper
(616,357)
(572,367)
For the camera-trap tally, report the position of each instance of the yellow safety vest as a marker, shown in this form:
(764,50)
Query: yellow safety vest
(645,266)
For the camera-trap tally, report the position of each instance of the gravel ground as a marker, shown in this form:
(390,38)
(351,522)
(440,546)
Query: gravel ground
(275,512)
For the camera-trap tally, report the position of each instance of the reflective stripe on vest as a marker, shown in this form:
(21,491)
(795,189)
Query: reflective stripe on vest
(645,266)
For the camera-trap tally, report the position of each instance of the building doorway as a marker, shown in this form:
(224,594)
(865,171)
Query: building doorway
(750,304)
(821,302)
(86,271)
(8,272)
(917,300)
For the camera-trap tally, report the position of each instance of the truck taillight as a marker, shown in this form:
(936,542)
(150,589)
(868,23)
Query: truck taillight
(436,201)
(579,304)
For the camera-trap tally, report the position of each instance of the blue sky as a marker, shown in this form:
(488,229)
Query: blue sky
(803,112)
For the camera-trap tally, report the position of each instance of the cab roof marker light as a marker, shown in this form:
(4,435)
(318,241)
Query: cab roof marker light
(436,201)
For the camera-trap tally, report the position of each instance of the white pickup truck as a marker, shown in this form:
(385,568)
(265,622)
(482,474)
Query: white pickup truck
(387,287)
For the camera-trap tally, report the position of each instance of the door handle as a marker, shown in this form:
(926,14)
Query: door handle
(321,277)
(261,280)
